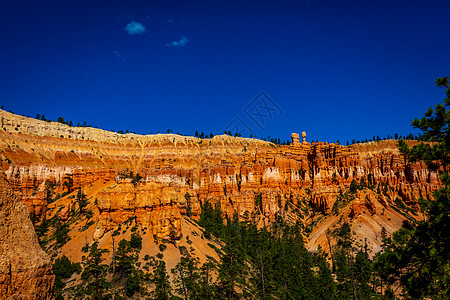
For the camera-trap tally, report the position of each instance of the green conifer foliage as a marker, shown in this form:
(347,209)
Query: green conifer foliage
(94,273)
(418,254)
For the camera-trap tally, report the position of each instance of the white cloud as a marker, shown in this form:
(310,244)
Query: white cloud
(181,43)
(119,56)
(135,28)
(174,21)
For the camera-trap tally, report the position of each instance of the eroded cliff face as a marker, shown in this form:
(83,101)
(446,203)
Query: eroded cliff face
(25,269)
(377,164)
(226,170)
(154,205)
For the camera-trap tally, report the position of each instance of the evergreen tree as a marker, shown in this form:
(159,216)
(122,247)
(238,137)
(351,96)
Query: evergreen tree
(363,275)
(125,259)
(187,277)
(344,263)
(421,251)
(160,279)
(326,286)
(63,268)
(124,263)
(187,196)
(62,233)
(82,201)
(94,273)
(61,120)
(211,219)
(232,267)
(207,289)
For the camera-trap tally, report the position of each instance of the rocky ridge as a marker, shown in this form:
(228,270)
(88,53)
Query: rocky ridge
(227,170)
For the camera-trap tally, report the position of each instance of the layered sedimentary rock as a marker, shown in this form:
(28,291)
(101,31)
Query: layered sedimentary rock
(153,205)
(243,175)
(376,164)
(25,269)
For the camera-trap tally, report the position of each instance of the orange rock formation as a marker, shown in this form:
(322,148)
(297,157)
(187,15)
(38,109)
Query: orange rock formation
(25,270)
(229,170)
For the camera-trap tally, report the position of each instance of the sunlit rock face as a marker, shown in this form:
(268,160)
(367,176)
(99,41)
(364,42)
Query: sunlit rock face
(154,205)
(230,171)
(25,269)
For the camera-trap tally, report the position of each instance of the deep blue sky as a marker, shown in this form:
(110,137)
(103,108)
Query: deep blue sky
(336,69)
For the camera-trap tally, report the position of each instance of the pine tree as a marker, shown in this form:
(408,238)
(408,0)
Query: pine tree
(127,255)
(187,277)
(211,219)
(363,274)
(232,267)
(187,196)
(94,272)
(326,286)
(63,268)
(207,289)
(82,201)
(160,279)
(421,251)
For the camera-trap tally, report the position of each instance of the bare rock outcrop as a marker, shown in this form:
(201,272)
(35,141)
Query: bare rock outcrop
(243,175)
(25,269)
(156,206)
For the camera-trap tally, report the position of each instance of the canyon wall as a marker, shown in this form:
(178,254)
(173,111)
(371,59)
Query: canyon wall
(232,171)
(25,269)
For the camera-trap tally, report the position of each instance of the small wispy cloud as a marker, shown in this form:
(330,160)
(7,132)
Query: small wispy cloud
(135,28)
(175,21)
(119,56)
(180,43)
